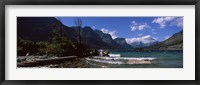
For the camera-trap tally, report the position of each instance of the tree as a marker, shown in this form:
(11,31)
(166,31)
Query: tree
(78,24)
(42,47)
(81,49)
(60,45)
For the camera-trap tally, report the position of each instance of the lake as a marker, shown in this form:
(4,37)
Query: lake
(160,59)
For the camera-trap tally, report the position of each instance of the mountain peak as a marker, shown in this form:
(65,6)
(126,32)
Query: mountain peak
(143,41)
(122,42)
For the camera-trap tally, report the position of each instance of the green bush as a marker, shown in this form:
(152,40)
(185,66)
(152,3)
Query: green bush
(42,46)
(26,46)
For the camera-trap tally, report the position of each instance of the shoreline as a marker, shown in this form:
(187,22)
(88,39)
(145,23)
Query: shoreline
(34,61)
(73,62)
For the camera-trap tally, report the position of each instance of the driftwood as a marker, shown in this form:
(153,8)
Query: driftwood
(42,62)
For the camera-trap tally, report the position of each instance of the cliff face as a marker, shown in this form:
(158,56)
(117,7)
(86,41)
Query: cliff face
(92,39)
(108,39)
(123,43)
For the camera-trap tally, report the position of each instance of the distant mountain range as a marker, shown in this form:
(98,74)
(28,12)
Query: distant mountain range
(39,29)
(175,42)
(148,41)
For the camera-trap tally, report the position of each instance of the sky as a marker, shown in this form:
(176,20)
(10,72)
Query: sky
(132,29)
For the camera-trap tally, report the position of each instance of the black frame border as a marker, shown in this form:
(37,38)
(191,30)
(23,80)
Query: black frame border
(3,3)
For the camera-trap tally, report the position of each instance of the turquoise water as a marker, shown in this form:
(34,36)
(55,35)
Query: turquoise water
(163,59)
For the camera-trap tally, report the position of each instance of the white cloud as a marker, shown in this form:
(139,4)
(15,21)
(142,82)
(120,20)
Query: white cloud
(140,34)
(178,22)
(152,30)
(93,27)
(167,37)
(138,26)
(112,33)
(143,39)
(162,21)
(154,33)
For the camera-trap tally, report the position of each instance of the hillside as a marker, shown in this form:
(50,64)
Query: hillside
(175,42)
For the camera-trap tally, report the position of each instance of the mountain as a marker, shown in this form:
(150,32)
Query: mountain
(39,29)
(123,42)
(92,39)
(142,42)
(175,42)
(108,39)
(36,28)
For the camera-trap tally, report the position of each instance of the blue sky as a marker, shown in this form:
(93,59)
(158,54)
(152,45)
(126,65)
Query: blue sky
(132,28)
